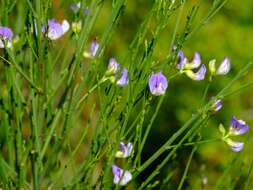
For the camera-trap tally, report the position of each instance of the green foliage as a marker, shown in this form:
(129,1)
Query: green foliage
(62,116)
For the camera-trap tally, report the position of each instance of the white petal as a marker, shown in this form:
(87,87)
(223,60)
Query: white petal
(65,26)
(127,176)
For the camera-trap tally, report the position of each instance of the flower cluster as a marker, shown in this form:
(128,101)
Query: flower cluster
(113,72)
(6,36)
(75,7)
(237,127)
(188,67)
(122,177)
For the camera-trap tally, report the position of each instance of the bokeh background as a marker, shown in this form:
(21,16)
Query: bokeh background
(228,33)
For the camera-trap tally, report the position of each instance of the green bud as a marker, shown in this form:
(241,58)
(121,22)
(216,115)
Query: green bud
(212,67)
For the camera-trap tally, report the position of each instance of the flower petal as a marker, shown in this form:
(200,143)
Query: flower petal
(235,146)
(199,75)
(224,67)
(123,81)
(181,60)
(237,127)
(125,150)
(158,84)
(195,62)
(121,177)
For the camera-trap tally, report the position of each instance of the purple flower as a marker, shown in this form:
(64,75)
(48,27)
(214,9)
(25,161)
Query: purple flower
(187,67)
(125,150)
(55,29)
(86,11)
(113,73)
(235,146)
(123,81)
(158,84)
(94,47)
(237,127)
(199,75)
(75,6)
(6,35)
(195,63)
(217,105)
(113,66)
(181,60)
(121,177)
(224,67)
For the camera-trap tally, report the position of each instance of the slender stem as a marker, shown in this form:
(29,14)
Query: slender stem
(205,93)
(89,92)
(23,74)
(195,143)
(166,144)
(149,128)
(49,136)
(186,169)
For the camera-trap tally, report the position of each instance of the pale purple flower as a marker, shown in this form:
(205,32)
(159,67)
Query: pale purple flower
(195,63)
(121,177)
(224,67)
(94,47)
(235,146)
(55,30)
(237,127)
(75,6)
(113,66)
(217,105)
(158,84)
(199,75)
(86,11)
(125,150)
(181,60)
(123,81)
(6,36)
(187,67)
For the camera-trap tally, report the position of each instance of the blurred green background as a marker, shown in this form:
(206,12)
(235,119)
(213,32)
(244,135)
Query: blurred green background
(228,33)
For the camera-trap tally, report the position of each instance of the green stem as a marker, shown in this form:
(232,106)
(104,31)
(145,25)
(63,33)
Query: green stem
(23,74)
(186,169)
(81,101)
(195,143)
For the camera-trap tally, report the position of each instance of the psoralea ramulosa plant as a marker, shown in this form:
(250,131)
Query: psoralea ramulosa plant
(78,112)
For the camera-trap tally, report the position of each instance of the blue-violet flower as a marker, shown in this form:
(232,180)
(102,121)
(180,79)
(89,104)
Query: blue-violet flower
(224,67)
(187,67)
(6,36)
(237,127)
(158,84)
(125,150)
(55,29)
(121,177)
